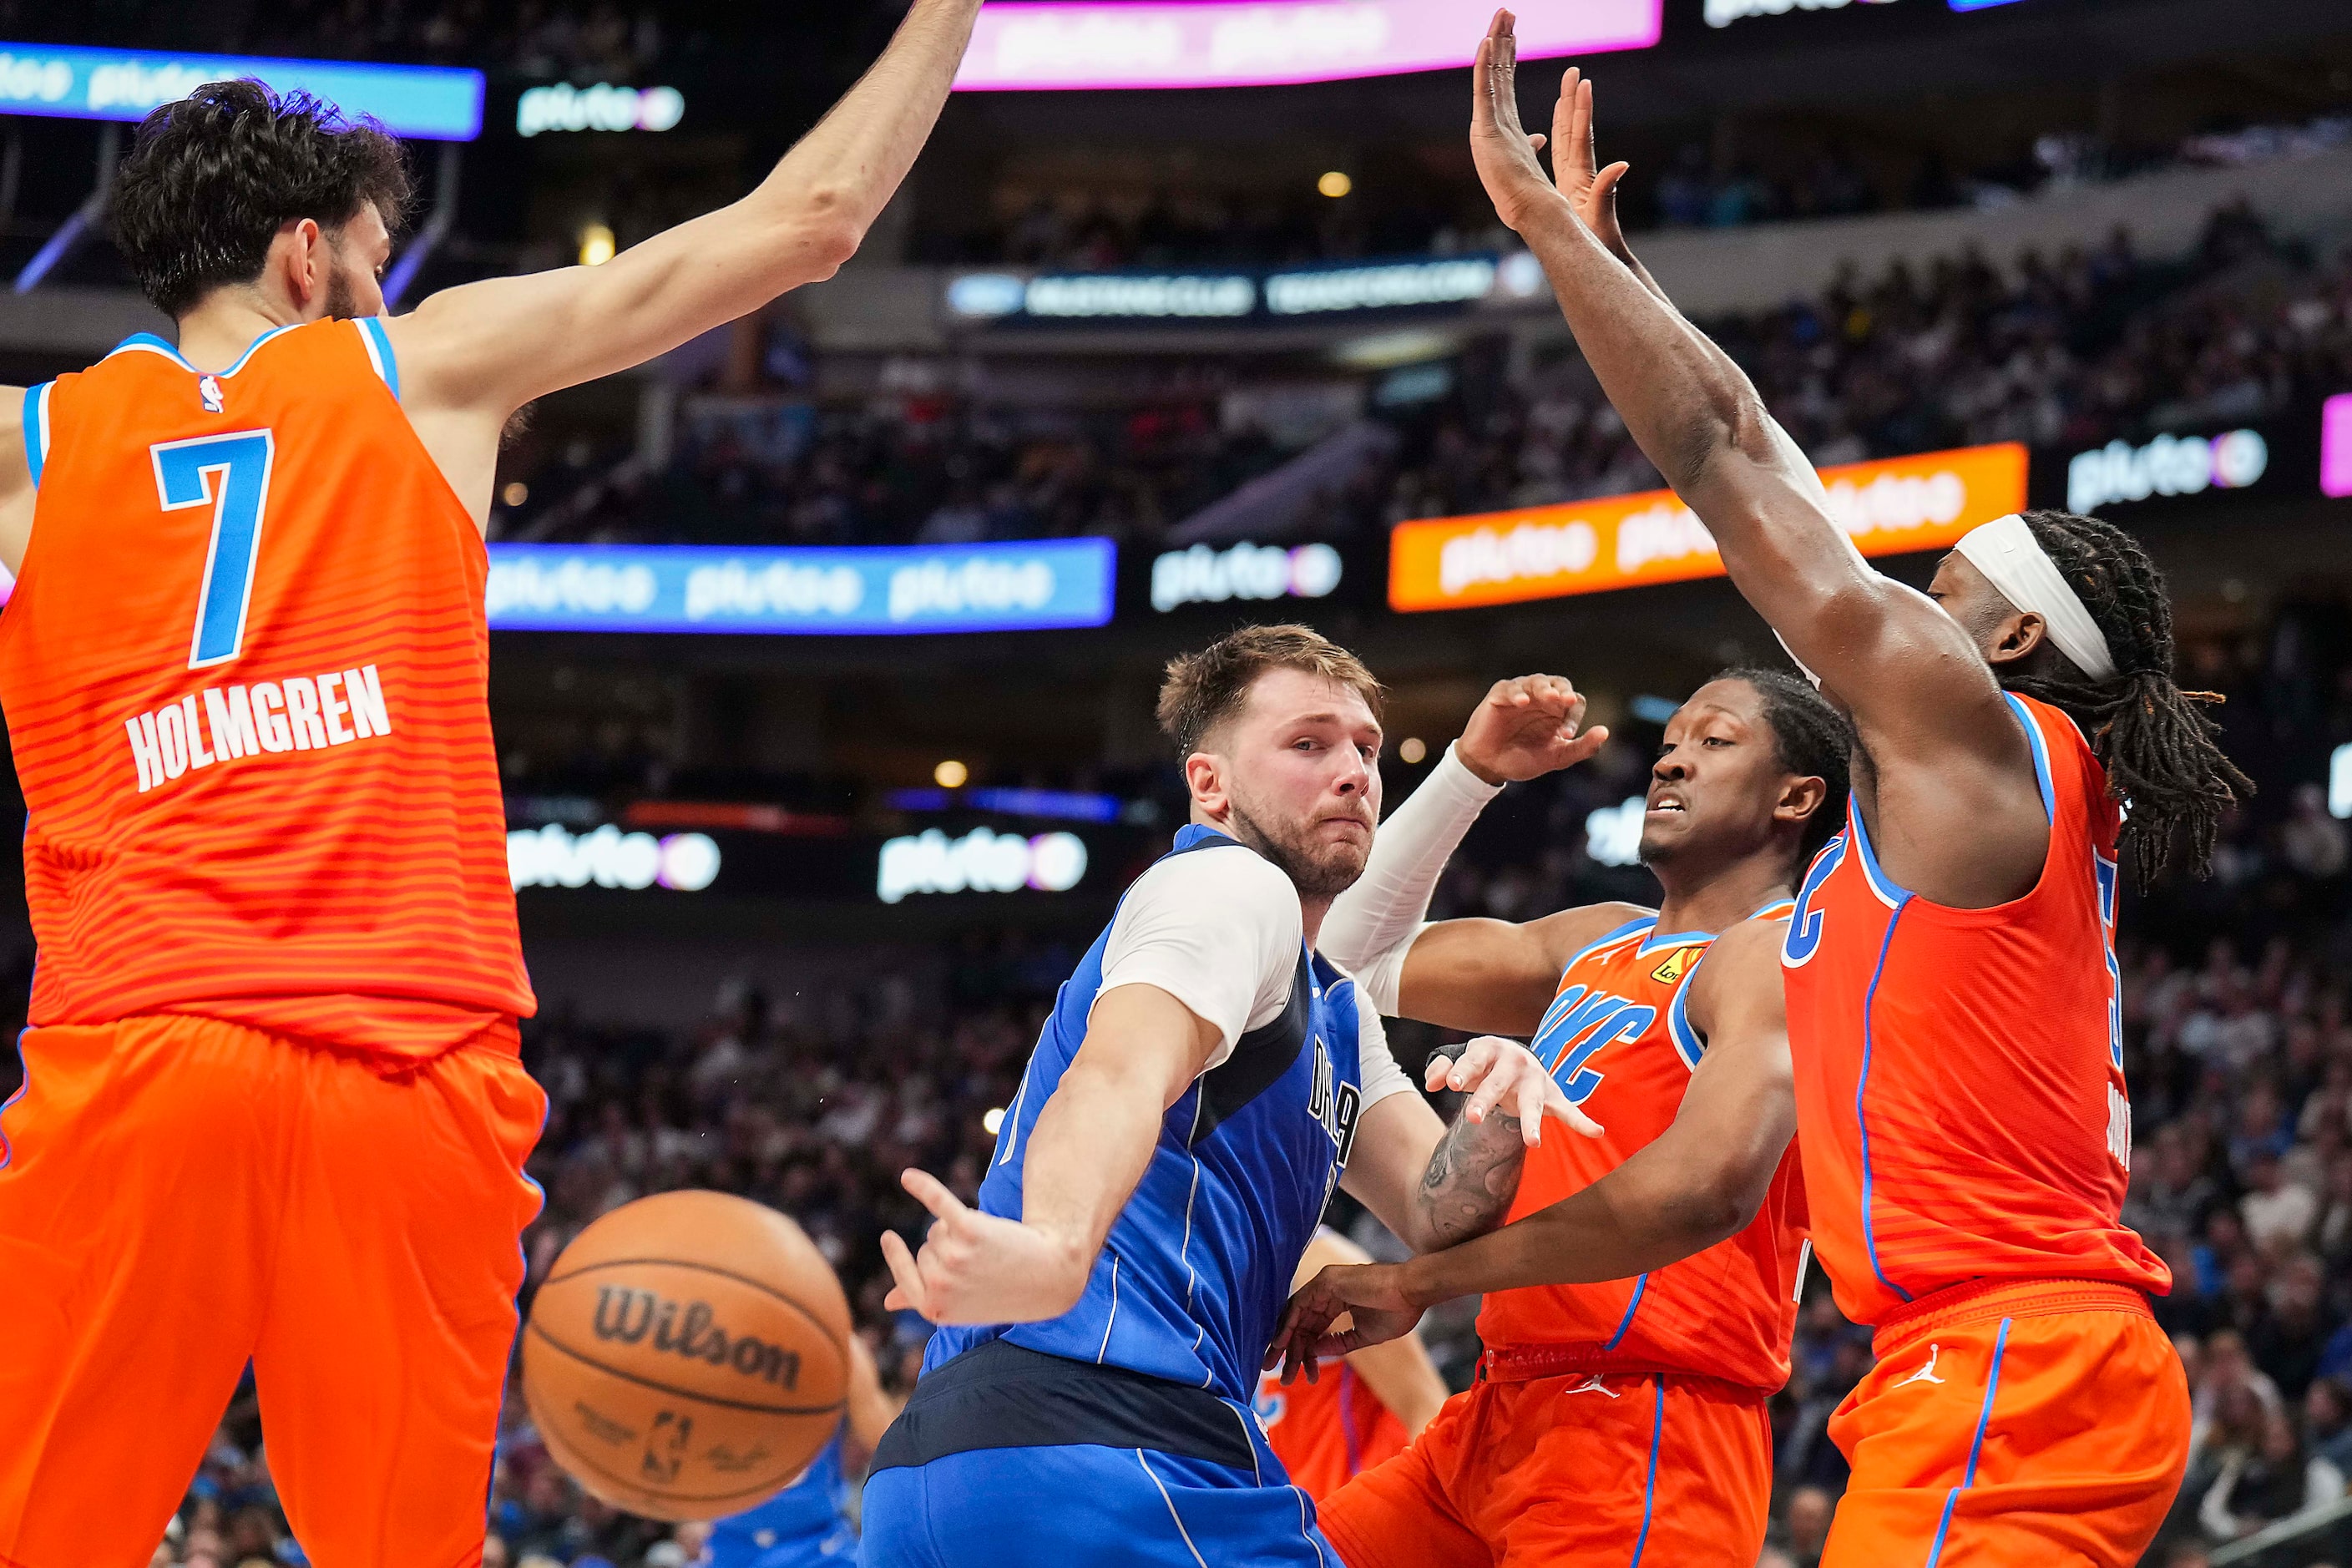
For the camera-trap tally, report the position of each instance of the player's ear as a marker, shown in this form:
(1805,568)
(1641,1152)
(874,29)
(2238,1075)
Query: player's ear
(2018,634)
(1204,778)
(301,258)
(1800,798)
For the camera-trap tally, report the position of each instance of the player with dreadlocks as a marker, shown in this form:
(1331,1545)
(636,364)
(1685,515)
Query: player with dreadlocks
(1950,977)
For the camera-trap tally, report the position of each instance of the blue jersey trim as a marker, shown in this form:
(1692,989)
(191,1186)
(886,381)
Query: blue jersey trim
(378,343)
(24,1082)
(1976,1445)
(149,342)
(1621,932)
(1889,891)
(1650,1485)
(1861,1086)
(1650,944)
(1641,1283)
(1687,1044)
(1679,1030)
(36,429)
(1893,893)
(2041,755)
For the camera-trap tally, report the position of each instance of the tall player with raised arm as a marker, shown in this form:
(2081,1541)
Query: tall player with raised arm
(1639,1302)
(273,1106)
(1950,977)
(1204,1082)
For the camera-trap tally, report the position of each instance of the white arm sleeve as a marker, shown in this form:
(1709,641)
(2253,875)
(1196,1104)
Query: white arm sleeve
(1372,925)
(1219,930)
(1376,1066)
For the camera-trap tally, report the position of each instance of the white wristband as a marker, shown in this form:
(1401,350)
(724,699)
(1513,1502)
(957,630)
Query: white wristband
(1371,925)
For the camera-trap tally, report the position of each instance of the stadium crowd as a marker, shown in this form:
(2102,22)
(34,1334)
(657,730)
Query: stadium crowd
(2237,1025)
(1067,230)
(2069,350)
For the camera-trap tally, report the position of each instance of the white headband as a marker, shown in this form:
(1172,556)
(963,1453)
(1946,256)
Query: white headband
(2005,550)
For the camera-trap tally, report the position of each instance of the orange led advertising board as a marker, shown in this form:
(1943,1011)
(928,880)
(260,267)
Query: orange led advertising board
(1888,507)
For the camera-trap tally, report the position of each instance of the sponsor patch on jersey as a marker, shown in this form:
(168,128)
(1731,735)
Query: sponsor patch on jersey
(1677,966)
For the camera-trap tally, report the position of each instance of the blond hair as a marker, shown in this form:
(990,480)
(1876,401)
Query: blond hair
(1202,690)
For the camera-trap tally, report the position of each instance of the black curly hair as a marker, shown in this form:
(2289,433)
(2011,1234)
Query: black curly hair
(212,178)
(2155,740)
(1814,741)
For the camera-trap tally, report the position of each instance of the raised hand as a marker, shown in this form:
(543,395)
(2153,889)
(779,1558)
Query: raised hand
(1526,727)
(1500,147)
(1590,189)
(1496,1072)
(1367,1294)
(978,1267)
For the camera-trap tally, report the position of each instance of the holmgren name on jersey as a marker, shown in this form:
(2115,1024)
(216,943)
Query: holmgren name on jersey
(219,725)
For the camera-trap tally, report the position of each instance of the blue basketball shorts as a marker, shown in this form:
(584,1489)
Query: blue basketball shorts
(1009,1458)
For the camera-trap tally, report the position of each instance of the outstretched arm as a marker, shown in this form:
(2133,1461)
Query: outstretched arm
(1090,1146)
(1434,1186)
(488,348)
(1399,1371)
(1699,1182)
(1479,974)
(15,481)
(1917,687)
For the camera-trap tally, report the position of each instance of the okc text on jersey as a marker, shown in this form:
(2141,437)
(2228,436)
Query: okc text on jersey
(219,725)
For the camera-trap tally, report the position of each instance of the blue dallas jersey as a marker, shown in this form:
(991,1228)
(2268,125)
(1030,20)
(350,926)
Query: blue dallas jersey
(807,1525)
(1193,1280)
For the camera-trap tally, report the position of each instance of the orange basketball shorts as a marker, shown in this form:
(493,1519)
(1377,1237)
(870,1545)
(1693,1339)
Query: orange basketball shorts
(179,1195)
(2042,1421)
(1610,1467)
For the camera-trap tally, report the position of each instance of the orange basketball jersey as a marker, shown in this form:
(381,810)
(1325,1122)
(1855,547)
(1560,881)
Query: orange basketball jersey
(1620,1046)
(1329,1431)
(245,672)
(1959,1073)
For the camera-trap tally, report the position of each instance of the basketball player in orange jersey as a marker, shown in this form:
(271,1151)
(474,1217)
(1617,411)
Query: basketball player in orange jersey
(1363,1408)
(273,1109)
(1952,982)
(1639,1303)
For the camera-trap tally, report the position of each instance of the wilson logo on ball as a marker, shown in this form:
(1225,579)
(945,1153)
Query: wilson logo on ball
(625,1315)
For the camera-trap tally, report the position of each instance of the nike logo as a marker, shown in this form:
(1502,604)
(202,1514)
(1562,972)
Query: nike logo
(1592,1386)
(1926,1374)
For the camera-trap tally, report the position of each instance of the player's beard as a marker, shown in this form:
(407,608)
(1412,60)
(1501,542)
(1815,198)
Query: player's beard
(341,303)
(1316,871)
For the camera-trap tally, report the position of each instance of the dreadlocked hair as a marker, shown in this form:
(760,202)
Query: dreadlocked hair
(2155,740)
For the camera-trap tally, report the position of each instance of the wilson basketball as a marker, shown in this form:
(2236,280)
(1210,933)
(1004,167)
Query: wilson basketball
(687,1355)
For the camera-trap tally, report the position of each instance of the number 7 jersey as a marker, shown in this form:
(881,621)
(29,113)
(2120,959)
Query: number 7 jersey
(245,671)
(1960,1073)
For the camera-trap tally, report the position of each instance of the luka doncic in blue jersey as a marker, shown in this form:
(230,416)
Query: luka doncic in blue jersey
(1132,1408)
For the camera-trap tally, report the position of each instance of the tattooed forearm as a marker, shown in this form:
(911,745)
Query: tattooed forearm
(1471,1177)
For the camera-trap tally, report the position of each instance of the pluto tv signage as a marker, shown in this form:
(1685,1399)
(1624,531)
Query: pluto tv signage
(435,103)
(1888,507)
(2336,446)
(2167,466)
(1207,575)
(1027,585)
(1068,44)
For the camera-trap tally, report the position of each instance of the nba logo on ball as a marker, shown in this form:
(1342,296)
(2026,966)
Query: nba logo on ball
(687,1355)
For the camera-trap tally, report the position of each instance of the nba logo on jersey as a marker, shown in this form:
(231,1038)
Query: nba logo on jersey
(208,388)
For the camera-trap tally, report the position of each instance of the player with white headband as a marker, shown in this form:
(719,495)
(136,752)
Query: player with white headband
(1949,970)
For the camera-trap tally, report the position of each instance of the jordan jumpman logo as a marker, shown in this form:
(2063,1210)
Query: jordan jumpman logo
(1926,1374)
